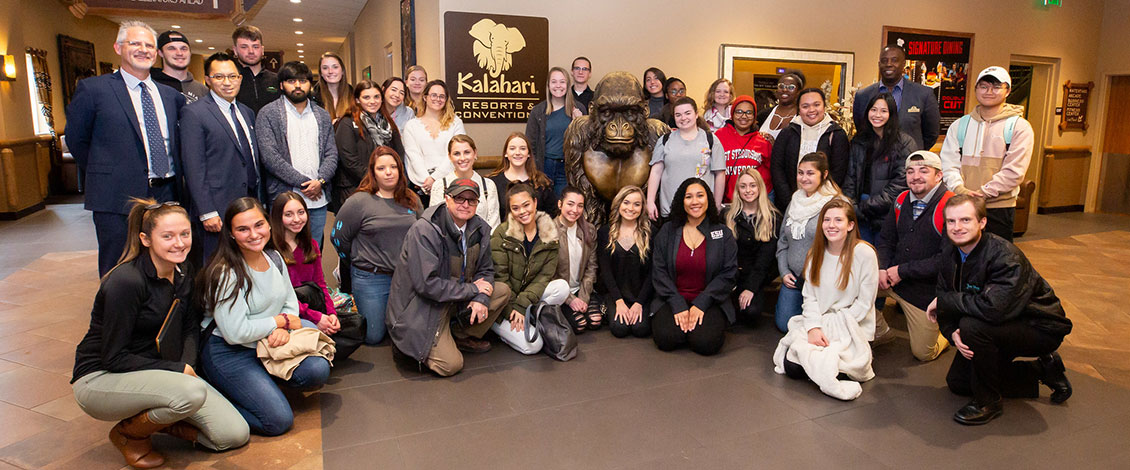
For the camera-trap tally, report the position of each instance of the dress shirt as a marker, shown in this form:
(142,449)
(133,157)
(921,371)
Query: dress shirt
(302,139)
(134,90)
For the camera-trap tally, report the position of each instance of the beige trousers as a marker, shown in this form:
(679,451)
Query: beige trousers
(926,341)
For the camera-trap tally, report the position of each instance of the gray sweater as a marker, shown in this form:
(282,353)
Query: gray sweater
(278,173)
(369,233)
(791,253)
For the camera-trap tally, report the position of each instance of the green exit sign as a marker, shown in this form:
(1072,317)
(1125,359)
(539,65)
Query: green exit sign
(1057,3)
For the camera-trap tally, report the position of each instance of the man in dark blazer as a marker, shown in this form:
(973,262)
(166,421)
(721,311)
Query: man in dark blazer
(122,130)
(918,107)
(219,149)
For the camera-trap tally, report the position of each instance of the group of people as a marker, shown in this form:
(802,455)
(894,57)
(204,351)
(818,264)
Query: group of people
(213,292)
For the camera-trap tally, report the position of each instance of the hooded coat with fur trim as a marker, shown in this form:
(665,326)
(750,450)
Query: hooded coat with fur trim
(527,274)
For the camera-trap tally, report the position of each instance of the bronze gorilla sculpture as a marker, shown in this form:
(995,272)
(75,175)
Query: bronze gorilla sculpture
(611,147)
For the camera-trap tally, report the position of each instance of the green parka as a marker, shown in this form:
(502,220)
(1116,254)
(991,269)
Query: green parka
(526,274)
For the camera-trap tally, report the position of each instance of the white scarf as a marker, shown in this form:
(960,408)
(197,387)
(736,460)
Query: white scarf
(810,135)
(803,208)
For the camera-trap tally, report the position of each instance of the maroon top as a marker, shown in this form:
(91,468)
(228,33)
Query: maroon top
(305,272)
(691,266)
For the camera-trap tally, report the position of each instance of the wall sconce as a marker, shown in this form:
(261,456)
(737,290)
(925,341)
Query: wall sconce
(9,70)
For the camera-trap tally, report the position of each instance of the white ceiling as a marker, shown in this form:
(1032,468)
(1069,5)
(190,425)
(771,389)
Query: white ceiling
(324,25)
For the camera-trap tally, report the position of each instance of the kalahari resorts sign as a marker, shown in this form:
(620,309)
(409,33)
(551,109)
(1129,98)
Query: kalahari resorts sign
(496,64)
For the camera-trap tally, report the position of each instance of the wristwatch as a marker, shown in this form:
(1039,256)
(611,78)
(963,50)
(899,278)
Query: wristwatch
(322,181)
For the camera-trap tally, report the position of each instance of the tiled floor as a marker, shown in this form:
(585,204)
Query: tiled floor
(619,404)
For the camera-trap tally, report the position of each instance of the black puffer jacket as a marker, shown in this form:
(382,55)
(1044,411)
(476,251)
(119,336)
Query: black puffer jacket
(996,284)
(757,260)
(887,179)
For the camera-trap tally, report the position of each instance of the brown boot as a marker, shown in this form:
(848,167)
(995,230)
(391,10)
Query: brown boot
(131,437)
(182,430)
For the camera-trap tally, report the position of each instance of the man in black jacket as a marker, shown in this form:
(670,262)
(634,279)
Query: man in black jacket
(913,235)
(995,307)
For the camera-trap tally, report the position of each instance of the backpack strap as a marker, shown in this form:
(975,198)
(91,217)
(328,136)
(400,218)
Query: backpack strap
(939,213)
(898,205)
(276,258)
(1009,125)
(962,129)
(710,139)
(663,140)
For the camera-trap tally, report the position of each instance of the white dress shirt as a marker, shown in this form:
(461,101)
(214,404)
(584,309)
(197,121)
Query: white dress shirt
(134,90)
(302,139)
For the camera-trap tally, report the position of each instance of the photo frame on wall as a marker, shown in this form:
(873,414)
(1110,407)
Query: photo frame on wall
(76,60)
(754,70)
(407,35)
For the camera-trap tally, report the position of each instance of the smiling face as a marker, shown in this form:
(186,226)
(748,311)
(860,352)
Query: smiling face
(787,88)
(462,157)
(723,95)
(394,94)
(227,86)
(170,240)
(518,152)
(694,201)
(250,230)
(330,69)
(462,206)
(652,84)
(921,179)
(748,189)
(524,208)
(557,84)
(387,172)
(809,178)
(370,100)
(963,226)
(676,90)
(878,114)
(416,81)
(572,207)
(294,216)
(991,94)
(811,108)
(743,117)
(836,225)
(138,50)
(176,55)
(436,97)
(631,207)
(685,117)
(891,63)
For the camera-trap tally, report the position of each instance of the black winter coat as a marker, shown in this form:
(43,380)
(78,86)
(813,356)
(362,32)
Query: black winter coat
(887,178)
(913,245)
(785,157)
(353,153)
(996,284)
(757,260)
(721,268)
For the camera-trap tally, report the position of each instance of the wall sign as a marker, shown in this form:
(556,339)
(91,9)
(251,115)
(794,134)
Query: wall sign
(184,8)
(1076,97)
(495,65)
(939,60)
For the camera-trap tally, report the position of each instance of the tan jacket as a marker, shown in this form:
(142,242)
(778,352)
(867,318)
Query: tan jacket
(587,234)
(984,165)
(304,342)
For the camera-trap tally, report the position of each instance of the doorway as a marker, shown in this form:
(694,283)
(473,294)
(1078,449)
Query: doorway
(1033,82)
(1115,152)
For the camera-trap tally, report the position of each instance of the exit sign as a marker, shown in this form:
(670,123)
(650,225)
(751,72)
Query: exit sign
(1053,2)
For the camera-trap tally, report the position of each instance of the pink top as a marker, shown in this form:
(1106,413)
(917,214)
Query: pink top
(306,272)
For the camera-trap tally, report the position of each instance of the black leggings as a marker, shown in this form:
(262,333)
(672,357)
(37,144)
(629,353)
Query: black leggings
(641,329)
(705,339)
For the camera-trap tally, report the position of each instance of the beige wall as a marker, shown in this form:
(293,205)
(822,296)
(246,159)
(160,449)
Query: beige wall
(37,24)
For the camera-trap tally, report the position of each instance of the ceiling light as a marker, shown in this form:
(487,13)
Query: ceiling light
(176,26)
(295,1)
(300,44)
(298,20)
(211,48)
(301,57)
(298,32)
(199,40)
(301,51)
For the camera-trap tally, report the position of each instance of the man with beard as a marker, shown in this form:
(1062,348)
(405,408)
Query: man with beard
(995,307)
(119,164)
(260,86)
(918,108)
(175,54)
(296,143)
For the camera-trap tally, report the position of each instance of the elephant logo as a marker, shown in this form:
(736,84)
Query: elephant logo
(495,45)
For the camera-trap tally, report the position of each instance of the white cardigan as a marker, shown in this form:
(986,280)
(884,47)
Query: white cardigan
(847,319)
(423,153)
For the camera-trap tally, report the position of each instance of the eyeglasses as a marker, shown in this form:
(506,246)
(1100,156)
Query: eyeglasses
(786,87)
(677,91)
(235,77)
(436,96)
(748,112)
(985,87)
(141,44)
(581,69)
(159,204)
(460,200)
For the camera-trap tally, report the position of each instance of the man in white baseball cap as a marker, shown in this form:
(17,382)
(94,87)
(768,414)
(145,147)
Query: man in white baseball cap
(986,153)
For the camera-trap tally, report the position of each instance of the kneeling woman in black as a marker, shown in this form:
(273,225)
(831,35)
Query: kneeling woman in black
(623,250)
(694,272)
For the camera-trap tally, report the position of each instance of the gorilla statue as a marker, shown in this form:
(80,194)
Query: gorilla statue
(611,147)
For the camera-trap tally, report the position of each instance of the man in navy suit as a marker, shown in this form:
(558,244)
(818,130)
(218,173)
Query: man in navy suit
(122,131)
(918,107)
(219,149)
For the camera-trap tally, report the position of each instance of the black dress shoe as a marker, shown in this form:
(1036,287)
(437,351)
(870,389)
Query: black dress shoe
(973,414)
(1054,377)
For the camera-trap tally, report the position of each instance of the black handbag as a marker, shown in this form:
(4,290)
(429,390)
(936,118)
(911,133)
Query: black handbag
(549,323)
(352,332)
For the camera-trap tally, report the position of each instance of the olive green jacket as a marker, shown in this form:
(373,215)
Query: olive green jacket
(526,274)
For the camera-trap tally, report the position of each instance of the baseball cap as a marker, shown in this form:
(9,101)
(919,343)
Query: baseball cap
(998,73)
(462,185)
(924,158)
(171,36)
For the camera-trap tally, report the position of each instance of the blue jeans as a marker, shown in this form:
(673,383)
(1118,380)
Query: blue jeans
(316,219)
(555,171)
(239,375)
(788,305)
(370,293)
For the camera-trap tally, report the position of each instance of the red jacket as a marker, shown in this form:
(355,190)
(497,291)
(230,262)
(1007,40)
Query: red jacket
(742,152)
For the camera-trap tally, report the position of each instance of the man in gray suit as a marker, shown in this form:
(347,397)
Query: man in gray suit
(918,107)
(296,141)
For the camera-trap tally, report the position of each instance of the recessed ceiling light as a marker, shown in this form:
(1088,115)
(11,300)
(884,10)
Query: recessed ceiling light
(301,57)
(298,32)
(301,51)
(211,48)
(176,26)
(300,44)
(295,1)
(199,40)
(298,20)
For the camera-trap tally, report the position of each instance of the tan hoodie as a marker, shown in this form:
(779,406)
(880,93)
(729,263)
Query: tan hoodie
(984,165)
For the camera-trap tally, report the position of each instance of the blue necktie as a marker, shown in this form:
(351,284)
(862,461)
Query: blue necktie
(158,155)
(245,150)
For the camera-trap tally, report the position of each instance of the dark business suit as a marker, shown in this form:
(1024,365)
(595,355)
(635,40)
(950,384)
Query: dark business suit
(215,164)
(918,112)
(105,138)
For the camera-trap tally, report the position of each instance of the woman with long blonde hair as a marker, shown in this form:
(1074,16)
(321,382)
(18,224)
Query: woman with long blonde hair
(753,220)
(547,124)
(623,252)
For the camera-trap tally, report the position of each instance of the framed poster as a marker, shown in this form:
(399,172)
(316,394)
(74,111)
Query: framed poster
(939,60)
(496,65)
(76,60)
(407,36)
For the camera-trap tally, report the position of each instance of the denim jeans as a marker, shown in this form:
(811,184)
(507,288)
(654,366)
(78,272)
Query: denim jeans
(237,373)
(316,219)
(370,293)
(788,305)
(555,170)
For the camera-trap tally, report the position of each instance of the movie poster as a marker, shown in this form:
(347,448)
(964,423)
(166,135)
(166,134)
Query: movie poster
(940,61)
